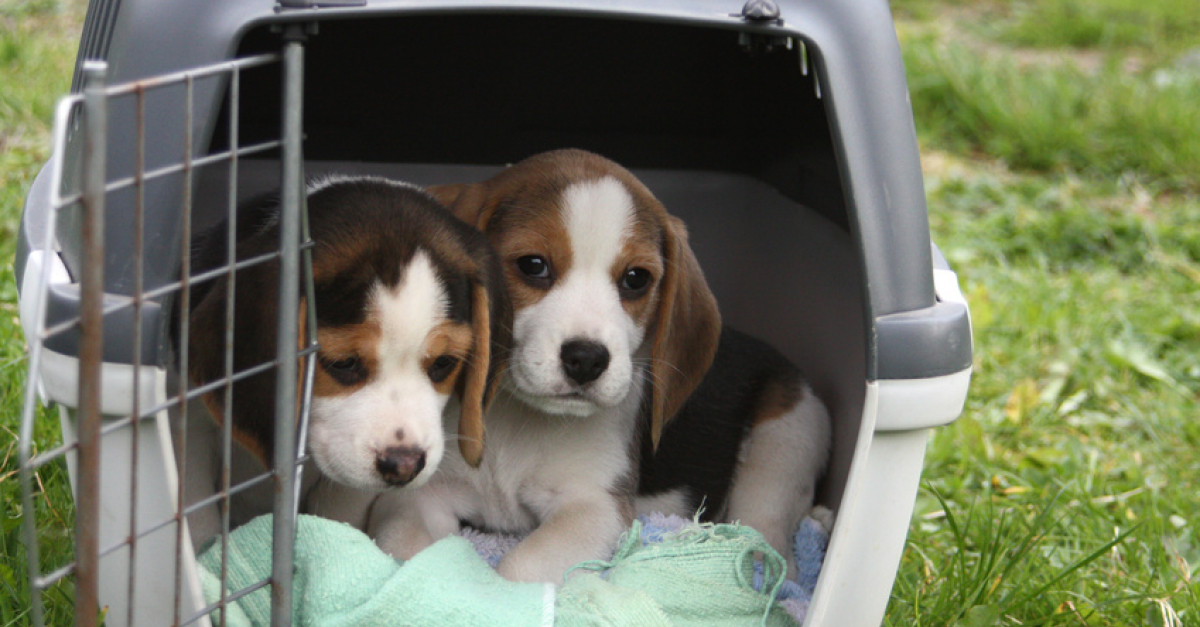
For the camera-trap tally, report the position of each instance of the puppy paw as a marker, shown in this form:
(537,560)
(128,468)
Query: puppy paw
(824,516)
(402,544)
(399,536)
(521,568)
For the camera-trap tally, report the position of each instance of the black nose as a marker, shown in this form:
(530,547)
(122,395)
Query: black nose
(400,464)
(583,361)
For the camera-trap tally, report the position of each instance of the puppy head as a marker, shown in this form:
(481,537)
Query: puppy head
(600,277)
(408,304)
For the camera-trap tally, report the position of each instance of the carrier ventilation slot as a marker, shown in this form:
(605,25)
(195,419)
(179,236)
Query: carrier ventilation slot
(98,29)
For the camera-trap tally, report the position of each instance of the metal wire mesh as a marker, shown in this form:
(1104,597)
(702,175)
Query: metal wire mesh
(125,424)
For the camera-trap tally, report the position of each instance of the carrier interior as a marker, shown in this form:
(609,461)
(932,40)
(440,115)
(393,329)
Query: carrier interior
(733,139)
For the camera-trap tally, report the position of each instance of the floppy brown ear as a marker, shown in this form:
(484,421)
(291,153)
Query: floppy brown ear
(206,356)
(467,201)
(447,194)
(483,369)
(686,333)
(253,402)
(476,394)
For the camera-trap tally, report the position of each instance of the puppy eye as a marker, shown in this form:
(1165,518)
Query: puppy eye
(535,268)
(347,371)
(634,282)
(441,368)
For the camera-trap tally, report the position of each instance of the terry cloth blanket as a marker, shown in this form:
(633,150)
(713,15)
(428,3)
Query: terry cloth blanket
(808,546)
(692,575)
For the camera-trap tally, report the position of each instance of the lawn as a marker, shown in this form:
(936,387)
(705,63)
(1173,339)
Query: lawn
(1061,147)
(38,39)
(1060,144)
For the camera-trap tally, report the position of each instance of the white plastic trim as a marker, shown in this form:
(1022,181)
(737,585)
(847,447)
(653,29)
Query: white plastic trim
(945,285)
(35,265)
(33,297)
(153,568)
(59,382)
(906,404)
(58,377)
(921,403)
(872,524)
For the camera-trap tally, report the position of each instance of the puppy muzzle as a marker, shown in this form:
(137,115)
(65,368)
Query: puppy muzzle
(583,361)
(399,465)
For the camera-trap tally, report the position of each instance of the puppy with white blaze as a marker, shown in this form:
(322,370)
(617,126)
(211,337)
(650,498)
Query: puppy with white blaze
(613,329)
(408,305)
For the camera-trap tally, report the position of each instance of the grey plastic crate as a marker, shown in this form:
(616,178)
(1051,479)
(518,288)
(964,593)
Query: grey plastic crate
(786,143)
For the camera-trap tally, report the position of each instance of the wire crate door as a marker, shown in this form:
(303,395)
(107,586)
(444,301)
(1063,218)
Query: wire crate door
(95,321)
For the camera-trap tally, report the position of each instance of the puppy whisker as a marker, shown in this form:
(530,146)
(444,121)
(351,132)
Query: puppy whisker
(457,437)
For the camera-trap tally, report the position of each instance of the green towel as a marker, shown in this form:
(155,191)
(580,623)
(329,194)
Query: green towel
(589,601)
(700,576)
(343,580)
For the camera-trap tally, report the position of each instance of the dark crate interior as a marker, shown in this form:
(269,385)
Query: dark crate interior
(733,139)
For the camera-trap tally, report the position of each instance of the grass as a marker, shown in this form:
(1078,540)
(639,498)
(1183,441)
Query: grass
(1081,419)
(1098,123)
(1062,175)
(1125,24)
(1159,29)
(37,47)
(1100,106)
(1060,143)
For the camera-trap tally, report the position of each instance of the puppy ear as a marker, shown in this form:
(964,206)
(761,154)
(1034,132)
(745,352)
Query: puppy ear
(447,194)
(686,333)
(468,202)
(206,364)
(476,392)
(253,402)
(205,343)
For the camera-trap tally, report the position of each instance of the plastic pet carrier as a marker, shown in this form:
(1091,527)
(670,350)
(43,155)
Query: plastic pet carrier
(782,135)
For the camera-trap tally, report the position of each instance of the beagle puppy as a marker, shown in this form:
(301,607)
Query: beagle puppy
(614,327)
(409,304)
(749,446)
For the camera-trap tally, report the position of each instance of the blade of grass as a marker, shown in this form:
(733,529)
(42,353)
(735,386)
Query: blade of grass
(1078,564)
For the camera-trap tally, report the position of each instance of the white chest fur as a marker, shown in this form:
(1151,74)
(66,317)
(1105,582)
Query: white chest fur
(534,462)
(567,481)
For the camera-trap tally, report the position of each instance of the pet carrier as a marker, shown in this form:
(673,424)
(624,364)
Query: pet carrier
(781,134)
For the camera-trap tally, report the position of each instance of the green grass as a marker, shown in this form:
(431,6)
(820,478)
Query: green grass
(37,47)
(1025,82)
(1062,170)
(1097,122)
(1063,178)
(1146,26)
(1157,29)
(1084,298)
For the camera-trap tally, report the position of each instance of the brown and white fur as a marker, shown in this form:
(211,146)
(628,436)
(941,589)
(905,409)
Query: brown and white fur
(613,329)
(748,446)
(408,304)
